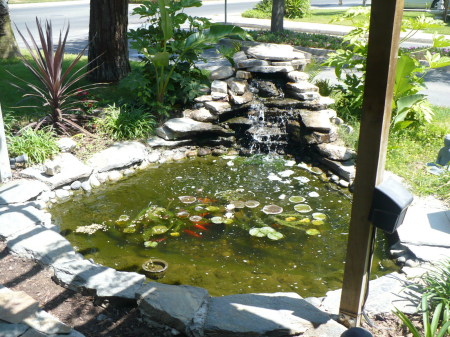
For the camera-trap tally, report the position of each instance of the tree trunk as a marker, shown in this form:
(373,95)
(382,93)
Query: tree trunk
(108,49)
(8,45)
(277,16)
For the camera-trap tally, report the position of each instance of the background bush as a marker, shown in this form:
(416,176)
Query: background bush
(125,122)
(38,145)
(294,9)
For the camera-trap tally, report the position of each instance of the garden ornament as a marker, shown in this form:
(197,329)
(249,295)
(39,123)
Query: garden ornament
(443,158)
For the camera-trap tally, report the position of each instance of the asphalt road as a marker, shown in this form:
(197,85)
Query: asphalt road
(77,14)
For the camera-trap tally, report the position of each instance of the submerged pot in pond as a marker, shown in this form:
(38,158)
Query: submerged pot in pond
(155,268)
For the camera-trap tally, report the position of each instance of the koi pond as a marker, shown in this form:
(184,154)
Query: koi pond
(228,224)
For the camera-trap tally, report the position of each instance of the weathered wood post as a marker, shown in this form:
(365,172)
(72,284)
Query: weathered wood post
(384,35)
(5,168)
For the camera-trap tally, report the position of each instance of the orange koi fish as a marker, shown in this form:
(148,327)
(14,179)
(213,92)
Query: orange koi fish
(200,227)
(191,233)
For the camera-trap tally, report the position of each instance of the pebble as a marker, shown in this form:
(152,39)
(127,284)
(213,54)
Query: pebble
(114,176)
(128,172)
(343,183)
(203,152)
(85,185)
(411,263)
(102,177)
(76,185)
(153,157)
(93,180)
(191,153)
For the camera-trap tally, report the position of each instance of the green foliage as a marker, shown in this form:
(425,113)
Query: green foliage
(125,122)
(298,39)
(229,51)
(55,89)
(170,51)
(293,8)
(431,328)
(39,145)
(409,108)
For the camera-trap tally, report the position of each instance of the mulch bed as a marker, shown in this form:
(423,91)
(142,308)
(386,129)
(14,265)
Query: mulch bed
(94,317)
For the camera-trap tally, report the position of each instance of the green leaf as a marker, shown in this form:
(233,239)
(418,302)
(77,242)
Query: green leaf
(440,41)
(275,236)
(407,322)
(408,101)
(150,244)
(405,67)
(161,59)
(166,21)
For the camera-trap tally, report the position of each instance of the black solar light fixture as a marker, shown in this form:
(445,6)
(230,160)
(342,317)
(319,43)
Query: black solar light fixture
(356,332)
(390,203)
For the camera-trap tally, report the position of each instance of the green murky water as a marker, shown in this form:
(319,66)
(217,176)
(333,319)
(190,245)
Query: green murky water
(215,249)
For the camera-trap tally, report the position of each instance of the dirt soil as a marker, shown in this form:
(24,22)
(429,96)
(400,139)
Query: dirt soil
(95,318)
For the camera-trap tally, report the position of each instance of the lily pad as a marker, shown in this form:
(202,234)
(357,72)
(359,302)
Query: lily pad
(160,229)
(123,219)
(319,216)
(275,236)
(129,230)
(303,208)
(217,219)
(252,203)
(238,204)
(187,199)
(183,214)
(312,231)
(150,244)
(317,222)
(297,199)
(272,209)
(266,230)
(228,221)
(195,218)
(290,218)
(212,209)
(255,231)
(305,220)
(313,194)
(175,234)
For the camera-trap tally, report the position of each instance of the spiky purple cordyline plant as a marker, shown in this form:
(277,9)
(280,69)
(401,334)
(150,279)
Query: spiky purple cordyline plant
(56,88)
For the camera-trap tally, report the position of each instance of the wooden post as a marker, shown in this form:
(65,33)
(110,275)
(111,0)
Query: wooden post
(384,35)
(5,169)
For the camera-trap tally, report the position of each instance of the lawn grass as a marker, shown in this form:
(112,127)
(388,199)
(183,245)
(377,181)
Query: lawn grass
(11,97)
(325,16)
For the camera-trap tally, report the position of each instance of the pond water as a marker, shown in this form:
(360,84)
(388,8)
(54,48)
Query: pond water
(206,218)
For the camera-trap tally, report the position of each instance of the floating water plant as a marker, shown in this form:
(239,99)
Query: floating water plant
(123,219)
(272,209)
(217,219)
(187,199)
(90,229)
(290,218)
(266,231)
(312,231)
(319,216)
(252,203)
(150,244)
(195,218)
(303,180)
(317,222)
(296,199)
(303,208)
(238,204)
(313,194)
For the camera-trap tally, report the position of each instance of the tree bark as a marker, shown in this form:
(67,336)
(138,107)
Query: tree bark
(108,49)
(8,45)
(276,24)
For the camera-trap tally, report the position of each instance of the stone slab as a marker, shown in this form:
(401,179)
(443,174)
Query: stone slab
(82,275)
(429,253)
(301,87)
(20,190)
(35,333)
(174,306)
(12,330)
(15,306)
(200,115)
(329,329)
(277,314)
(385,294)
(316,120)
(427,223)
(46,323)
(42,245)
(271,69)
(273,52)
(181,128)
(71,169)
(118,156)
(345,169)
(335,152)
(221,73)
(17,218)
(156,142)
(218,107)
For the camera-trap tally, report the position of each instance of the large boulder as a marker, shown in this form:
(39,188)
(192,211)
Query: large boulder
(71,169)
(181,128)
(118,156)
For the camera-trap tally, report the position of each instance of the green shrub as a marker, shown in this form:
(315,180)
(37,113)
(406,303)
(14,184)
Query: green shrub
(125,122)
(294,9)
(39,145)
